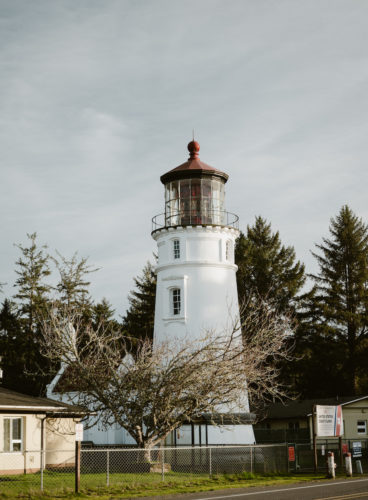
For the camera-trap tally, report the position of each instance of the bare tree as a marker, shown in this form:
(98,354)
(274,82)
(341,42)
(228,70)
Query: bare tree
(153,391)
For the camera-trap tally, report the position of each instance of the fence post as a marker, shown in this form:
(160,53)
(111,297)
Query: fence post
(341,454)
(251,459)
(108,467)
(77,465)
(41,466)
(210,461)
(163,464)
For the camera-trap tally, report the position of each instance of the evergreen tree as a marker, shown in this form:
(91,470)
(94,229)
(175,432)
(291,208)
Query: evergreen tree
(341,300)
(11,345)
(139,319)
(32,269)
(266,268)
(25,369)
(103,316)
(73,285)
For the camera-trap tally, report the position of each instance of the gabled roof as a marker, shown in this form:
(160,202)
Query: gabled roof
(303,408)
(15,402)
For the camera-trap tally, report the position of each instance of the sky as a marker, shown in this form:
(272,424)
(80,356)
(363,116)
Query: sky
(99,98)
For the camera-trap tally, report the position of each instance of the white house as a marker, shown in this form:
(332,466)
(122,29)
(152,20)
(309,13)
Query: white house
(29,425)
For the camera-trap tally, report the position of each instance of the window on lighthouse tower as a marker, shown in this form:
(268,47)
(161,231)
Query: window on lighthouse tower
(176,247)
(228,250)
(176,301)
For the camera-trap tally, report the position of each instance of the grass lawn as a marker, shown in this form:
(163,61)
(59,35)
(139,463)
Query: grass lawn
(61,485)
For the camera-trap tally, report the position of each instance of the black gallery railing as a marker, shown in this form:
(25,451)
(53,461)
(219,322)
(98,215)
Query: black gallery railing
(194,218)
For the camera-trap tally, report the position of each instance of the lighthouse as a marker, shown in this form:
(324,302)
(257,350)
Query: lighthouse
(196,273)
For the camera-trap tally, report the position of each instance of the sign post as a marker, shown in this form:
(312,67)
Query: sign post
(315,458)
(78,440)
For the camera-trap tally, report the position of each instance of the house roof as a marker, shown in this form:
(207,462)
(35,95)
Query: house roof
(303,408)
(15,402)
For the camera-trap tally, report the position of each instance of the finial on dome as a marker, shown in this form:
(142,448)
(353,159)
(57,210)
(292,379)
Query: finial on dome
(193,148)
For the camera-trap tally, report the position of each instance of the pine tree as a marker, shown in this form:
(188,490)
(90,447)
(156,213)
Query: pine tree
(341,299)
(11,345)
(103,316)
(28,371)
(73,285)
(139,319)
(32,269)
(266,268)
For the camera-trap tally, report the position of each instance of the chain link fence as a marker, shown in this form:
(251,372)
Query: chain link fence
(133,465)
(304,457)
(35,470)
(53,471)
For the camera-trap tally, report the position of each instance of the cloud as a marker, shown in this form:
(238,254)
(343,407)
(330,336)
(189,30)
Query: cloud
(98,99)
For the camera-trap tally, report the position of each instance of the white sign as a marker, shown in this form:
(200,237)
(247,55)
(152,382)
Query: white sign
(357,449)
(79,432)
(329,422)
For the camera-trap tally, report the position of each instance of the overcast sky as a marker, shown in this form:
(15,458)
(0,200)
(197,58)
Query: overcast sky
(99,98)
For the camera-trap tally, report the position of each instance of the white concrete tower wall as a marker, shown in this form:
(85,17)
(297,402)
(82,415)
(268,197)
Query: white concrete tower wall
(199,262)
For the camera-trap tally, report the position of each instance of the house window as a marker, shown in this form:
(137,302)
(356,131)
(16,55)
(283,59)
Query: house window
(176,301)
(362,427)
(12,434)
(176,249)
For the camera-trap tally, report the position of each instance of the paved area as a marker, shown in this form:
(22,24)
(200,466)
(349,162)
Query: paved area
(339,489)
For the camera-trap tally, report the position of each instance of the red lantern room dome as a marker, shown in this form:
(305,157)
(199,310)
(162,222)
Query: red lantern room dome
(192,168)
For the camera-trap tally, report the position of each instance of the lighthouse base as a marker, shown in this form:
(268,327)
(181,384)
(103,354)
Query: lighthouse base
(207,435)
(231,435)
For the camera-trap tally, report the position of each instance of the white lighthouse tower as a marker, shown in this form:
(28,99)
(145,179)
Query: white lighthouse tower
(196,281)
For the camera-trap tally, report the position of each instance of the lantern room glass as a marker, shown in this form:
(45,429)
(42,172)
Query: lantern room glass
(195,201)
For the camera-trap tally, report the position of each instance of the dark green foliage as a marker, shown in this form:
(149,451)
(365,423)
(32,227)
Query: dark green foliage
(25,368)
(10,335)
(266,268)
(103,316)
(73,285)
(139,319)
(340,303)
(32,269)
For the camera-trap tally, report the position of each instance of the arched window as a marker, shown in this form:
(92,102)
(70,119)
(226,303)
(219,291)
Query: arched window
(175,301)
(176,249)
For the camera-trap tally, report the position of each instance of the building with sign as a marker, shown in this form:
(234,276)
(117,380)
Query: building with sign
(292,421)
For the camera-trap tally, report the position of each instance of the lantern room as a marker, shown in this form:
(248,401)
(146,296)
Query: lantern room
(194,195)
